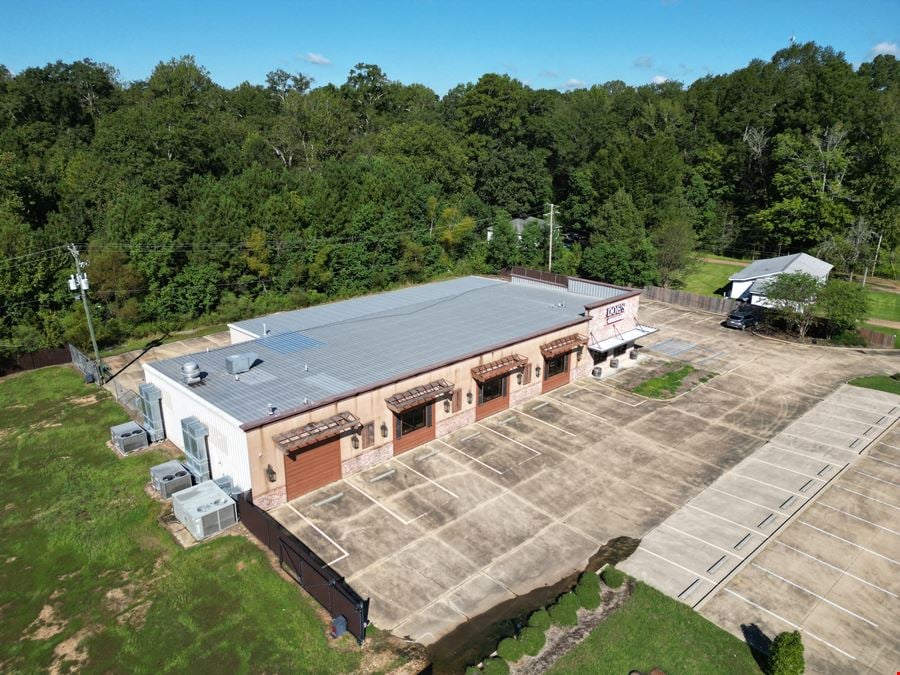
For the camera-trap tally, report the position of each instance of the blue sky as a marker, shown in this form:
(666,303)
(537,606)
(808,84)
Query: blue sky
(441,43)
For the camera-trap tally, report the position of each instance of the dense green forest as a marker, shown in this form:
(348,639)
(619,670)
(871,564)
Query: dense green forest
(194,202)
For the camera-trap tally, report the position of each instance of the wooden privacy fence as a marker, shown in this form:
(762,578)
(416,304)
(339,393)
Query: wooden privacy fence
(879,340)
(705,303)
(306,568)
(51,356)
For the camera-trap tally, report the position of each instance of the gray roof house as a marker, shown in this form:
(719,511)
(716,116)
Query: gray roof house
(518,225)
(749,284)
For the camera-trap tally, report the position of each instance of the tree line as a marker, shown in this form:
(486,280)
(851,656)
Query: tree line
(196,202)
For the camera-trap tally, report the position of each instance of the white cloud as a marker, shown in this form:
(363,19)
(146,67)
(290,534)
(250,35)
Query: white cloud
(550,74)
(316,59)
(643,61)
(659,79)
(885,48)
(573,83)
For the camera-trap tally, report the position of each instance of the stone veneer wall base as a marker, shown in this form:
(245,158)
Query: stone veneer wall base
(368,459)
(271,499)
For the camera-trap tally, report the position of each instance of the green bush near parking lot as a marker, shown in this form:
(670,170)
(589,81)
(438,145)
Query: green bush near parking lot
(613,577)
(564,611)
(664,386)
(588,590)
(510,649)
(540,619)
(532,640)
(495,667)
(786,657)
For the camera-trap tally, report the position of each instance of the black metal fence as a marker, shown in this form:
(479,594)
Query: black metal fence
(51,356)
(306,568)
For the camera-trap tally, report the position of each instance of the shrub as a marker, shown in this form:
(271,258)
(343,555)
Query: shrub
(540,619)
(473,670)
(532,640)
(786,657)
(510,649)
(563,613)
(588,590)
(613,577)
(495,667)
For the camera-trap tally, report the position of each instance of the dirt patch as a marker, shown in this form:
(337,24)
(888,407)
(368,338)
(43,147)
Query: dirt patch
(82,401)
(561,641)
(135,616)
(70,653)
(117,600)
(45,424)
(240,565)
(46,625)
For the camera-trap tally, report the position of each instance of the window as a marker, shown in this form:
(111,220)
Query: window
(457,400)
(556,365)
(413,420)
(491,389)
(368,435)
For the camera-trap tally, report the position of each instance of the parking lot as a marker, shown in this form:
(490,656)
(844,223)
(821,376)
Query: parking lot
(518,500)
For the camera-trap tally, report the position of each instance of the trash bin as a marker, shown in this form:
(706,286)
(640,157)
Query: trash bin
(338,626)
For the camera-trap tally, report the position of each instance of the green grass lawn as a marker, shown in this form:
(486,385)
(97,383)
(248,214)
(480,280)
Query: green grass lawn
(80,543)
(705,278)
(652,630)
(879,382)
(883,305)
(665,385)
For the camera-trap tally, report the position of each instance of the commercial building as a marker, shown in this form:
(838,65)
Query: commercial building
(303,398)
(749,285)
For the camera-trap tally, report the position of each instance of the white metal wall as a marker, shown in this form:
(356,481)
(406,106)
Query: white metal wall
(238,336)
(227,442)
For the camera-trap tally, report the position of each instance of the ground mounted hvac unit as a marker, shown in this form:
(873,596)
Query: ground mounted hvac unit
(194,433)
(150,399)
(169,478)
(228,486)
(204,509)
(128,437)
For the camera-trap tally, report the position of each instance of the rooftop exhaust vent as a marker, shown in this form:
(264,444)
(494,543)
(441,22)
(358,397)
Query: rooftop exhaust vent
(240,363)
(190,373)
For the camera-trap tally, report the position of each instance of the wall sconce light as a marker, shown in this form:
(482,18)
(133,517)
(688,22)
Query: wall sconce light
(447,405)
(270,473)
(384,430)
(469,396)
(578,354)
(354,441)
(537,371)
(519,377)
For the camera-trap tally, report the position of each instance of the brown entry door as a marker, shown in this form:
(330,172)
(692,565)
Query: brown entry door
(556,372)
(493,396)
(413,427)
(312,468)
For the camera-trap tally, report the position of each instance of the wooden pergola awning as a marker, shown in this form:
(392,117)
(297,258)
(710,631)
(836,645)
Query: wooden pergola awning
(315,432)
(498,368)
(412,398)
(563,345)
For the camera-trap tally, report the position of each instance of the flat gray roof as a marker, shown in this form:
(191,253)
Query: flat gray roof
(798,262)
(323,352)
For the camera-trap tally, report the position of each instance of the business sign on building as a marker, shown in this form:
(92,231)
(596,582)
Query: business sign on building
(615,313)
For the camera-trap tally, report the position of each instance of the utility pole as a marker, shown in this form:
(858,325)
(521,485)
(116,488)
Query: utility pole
(79,282)
(877,249)
(550,256)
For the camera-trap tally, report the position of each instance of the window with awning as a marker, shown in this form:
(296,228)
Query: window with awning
(417,396)
(504,366)
(563,345)
(315,432)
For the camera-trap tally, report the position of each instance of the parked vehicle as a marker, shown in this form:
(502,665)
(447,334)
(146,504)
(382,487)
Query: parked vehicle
(745,316)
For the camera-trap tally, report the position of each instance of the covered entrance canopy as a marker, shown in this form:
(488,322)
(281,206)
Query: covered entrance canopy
(412,398)
(504,366)
(315,432)
(621,339)
(563,345)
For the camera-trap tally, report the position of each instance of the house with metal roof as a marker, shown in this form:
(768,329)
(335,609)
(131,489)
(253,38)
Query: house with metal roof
(303,398)
(749,285)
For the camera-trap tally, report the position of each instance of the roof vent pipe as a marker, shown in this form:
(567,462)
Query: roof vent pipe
(190,372)
(265,330)
(271,409)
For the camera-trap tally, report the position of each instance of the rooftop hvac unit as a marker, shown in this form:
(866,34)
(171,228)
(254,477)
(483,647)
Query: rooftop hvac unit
(150,399)
(240,363)
(128,437)
(169,478)
(204,509)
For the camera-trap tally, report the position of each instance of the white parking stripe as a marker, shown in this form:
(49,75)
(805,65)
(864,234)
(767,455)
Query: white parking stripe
(382,506)
(818,458)
(702,541)
(330,540)
(814,594)
(874,499)
(575,407)
(821,442)
(513,440)
(783,468)
(882,461)
(538,419)
(835,567)
(433,482)
(847,541)
(675,564)
(790,623)
(474,459)
(762,482)
(868,475)
(733,496)
(716,515)
(855,517)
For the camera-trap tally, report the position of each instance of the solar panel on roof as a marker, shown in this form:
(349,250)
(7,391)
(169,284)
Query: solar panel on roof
(289,343)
